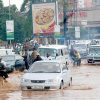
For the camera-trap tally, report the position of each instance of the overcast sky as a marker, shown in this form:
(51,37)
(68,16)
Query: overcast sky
(18,3)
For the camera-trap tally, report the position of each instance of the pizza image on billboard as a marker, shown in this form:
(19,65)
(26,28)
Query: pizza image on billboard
(44,16)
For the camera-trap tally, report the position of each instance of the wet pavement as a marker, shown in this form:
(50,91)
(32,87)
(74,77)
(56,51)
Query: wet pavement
(85,86)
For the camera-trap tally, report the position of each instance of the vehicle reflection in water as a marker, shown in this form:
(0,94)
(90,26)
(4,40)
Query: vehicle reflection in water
(48,95)
(34,95)
(43,95)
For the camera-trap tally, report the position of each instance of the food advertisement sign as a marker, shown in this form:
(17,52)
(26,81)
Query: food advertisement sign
(43,18)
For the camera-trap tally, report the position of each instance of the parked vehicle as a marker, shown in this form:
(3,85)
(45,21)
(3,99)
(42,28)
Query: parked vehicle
(94,54)
(9,68)
(4,52)
(13,61)
(82,48)
(46,74)
(19,63)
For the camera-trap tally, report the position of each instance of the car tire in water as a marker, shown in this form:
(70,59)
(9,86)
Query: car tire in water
(61,85)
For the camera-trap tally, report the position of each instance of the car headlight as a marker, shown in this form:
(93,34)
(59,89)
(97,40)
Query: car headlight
(53,58)
(25,80)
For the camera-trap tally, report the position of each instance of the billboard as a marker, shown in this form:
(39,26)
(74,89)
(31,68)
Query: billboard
(43,18)
(88,3)
(81,4)
(10,29)
(85,3)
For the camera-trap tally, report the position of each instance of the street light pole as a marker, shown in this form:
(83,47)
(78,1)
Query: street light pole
(9,16)
(65,19)
(9,10)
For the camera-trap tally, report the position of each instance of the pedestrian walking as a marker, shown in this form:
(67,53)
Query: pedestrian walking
(34,55)
(73,55)
(26,60)
(78,57)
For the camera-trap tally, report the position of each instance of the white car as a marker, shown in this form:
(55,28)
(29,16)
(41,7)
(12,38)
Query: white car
(46,75)
(54,52)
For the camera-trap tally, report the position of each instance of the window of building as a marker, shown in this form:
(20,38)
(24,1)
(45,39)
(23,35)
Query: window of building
(96,2)
(41,1)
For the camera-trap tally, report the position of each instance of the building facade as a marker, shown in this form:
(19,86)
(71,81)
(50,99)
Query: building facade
(84,14)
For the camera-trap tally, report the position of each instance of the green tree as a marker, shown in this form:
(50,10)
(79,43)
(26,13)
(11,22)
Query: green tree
(21,23)
(2,19)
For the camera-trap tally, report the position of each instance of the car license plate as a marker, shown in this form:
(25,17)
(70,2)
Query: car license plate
(37,87)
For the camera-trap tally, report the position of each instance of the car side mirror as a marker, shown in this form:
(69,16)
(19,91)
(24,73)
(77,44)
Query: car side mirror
(67,63)
(64,71)
(56,55)
(25,71)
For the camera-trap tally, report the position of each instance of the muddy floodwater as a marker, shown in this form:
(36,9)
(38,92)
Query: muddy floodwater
(85,86)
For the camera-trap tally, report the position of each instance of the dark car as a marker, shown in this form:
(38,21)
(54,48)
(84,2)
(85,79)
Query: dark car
(13,62)
(10,69)
(19,64)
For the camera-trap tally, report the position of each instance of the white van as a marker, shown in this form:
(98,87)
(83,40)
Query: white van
(51,52)
(4,52)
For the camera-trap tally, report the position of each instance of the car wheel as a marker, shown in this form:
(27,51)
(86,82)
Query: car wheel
(93,62)
(21,69)
(61,85)
(88,62)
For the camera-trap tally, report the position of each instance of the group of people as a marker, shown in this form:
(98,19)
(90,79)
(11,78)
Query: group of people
(75,56)
(30,59)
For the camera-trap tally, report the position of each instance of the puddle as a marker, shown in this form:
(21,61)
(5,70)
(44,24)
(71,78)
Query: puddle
(81,87)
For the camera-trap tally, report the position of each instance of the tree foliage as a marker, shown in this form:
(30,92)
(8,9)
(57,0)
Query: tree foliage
(22,23)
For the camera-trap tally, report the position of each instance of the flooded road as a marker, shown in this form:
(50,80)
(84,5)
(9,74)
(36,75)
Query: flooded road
(85,86)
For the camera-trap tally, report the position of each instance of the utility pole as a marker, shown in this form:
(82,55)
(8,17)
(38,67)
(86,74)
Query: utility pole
(9,11)
(9,16)
(65,19)
(76,26)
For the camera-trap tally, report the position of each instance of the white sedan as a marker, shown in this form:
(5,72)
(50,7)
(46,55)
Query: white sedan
(46,75)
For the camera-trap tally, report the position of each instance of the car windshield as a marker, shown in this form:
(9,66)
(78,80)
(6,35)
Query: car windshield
(94,50)
(45,67)
(80,46)
(47,51)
